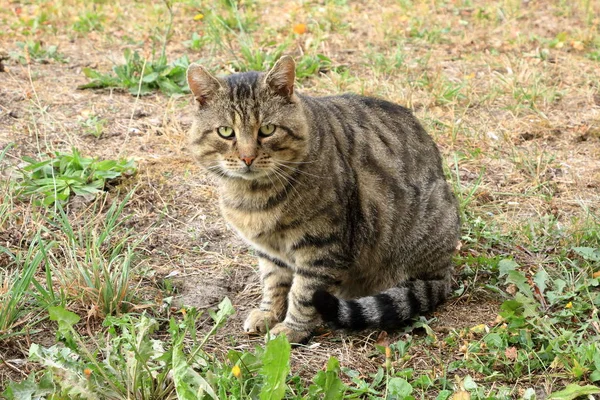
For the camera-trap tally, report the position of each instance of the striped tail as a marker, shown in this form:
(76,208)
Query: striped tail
(388,310)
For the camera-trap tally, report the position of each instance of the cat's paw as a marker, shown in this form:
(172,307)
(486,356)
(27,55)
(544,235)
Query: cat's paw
(293,336)
(258,320)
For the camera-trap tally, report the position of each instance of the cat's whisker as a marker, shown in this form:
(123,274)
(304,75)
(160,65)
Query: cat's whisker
(298,170)
(287,175)
(281,173)
(279,180)
(294,162)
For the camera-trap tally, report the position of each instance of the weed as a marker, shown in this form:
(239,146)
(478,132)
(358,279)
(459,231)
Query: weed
(197,42)
(387,63)
(129,363)
(255,59)
(89,21)
(140,76)
(93,125)
(57,178)
(36,51)
(96,266)
(594,55)
(15,286)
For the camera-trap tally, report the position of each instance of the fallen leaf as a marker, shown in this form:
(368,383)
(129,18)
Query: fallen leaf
(461,395)
(511,289)
(577,45)
(481,328)
(597,273)
(382,339)
(511,353)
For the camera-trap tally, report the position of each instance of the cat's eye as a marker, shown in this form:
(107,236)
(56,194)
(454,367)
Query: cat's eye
(266,130)
(226,132)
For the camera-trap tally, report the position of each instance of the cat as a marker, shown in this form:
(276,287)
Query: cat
(342,198)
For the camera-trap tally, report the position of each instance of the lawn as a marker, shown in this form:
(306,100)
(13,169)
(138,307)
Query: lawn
(119,278)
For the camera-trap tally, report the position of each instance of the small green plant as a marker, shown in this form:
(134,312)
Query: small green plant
(387,63)
(594,55)
(140,76)
(254,58)
(58,177)
(308,66)
(197,42)
(36,51)
(93,125)
(89,21)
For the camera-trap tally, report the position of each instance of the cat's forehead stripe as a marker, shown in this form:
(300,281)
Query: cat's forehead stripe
(243,90)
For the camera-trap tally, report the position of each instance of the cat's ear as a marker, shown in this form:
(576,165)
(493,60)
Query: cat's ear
(202,83)
(281,77)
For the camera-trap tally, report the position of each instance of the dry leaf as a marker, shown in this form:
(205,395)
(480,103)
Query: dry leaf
(382,339)
(577,45)
(511,289)
(511,353)
(481,328)
(461,395)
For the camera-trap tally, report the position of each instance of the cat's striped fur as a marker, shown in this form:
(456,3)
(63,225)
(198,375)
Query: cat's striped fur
(345,203)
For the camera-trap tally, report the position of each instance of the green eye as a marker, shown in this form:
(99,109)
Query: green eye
(266,130)
(226,132)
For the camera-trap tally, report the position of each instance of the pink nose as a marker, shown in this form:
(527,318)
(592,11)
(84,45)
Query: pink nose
(247,159)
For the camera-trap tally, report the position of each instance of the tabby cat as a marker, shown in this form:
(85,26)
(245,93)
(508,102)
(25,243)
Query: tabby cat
(343,199)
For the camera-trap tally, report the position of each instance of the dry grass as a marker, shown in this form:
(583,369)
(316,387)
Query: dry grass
(509,90)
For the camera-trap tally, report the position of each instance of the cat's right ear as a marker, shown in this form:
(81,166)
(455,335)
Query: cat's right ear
(202,83)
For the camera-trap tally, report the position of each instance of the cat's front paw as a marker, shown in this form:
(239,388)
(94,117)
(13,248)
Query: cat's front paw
(293,336)
(258,321)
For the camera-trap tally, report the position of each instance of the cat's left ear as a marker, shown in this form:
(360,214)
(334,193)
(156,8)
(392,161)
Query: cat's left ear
(281,77)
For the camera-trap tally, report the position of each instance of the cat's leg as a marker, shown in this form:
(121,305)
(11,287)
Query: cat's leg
(301,317)
(276,282)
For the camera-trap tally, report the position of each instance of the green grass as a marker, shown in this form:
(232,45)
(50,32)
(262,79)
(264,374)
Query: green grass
(94,262)
(15,283)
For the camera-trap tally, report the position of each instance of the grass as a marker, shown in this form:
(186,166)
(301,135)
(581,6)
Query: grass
(109,270)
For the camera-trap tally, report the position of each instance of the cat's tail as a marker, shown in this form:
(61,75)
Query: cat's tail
(388,310)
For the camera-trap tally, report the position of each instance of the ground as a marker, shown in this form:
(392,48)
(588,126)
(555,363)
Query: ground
(510,91)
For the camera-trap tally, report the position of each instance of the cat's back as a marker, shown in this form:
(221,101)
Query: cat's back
(374,132)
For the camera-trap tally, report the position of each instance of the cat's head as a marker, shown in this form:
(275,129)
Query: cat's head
(249,125)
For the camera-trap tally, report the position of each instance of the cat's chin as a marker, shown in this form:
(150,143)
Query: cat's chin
(249,175)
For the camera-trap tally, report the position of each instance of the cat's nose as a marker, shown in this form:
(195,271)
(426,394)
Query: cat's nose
(247,159)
